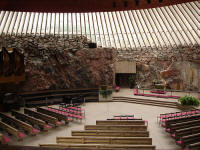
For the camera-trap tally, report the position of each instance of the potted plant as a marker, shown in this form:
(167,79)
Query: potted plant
(132,81)
(105,93)
(189,102)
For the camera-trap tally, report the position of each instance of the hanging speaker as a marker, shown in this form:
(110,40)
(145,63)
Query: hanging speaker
(92,45)
(114,4)
(125,4)
(136,2)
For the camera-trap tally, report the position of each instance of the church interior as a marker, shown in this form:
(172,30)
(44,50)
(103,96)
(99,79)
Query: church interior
(100,75)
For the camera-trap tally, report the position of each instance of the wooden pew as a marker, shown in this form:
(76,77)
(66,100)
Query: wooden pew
(78,112)
(100,146)
(194,146)
(120,122)
(53,114)
(31,120)
(190,139)
(9,129)
(46,118)
(186,131)
(99,133)
(105,140)
(70,116)
(20,124)
(117,127)
(1,138)
(4,139)
(182,119)
(181,125)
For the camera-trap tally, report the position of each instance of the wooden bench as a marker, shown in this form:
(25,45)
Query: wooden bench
(70,116)
(35,97)
(9,129)
(78,112)
(117,127)
(99,133)
(31,120)
(182,119)
(194,146)
(181,125)
(53,114)
(46,118)
(100,146)
(20,124)
(190,139)
(120,122)
(4,139)
(105,140)
(50,92)
(186,131)
(1,138)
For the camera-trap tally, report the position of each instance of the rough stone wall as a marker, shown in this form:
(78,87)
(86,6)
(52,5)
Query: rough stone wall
(178,67)
(60,63)
(55,62)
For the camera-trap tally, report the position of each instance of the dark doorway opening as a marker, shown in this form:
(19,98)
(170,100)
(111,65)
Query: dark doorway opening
(122,79)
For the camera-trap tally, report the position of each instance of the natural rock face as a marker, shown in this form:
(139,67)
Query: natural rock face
(60,63)
(181,75)
(178,67)
(54,62)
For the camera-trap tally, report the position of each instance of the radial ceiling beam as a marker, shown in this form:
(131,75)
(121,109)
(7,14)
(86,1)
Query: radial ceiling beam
(157,27)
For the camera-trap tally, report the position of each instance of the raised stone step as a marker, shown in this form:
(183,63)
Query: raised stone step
(146,102)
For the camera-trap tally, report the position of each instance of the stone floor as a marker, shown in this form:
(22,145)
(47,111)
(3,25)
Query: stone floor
(104,110)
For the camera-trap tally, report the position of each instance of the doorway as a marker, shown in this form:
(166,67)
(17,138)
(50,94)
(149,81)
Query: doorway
(122,79)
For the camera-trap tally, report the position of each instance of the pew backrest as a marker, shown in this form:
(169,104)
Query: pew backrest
(46,118)
(120,122)
(53,114)
(190,139)
(100,146)
(186,131)
(105,140)
(30,119)
(18,123)
(103,133)
(117,127)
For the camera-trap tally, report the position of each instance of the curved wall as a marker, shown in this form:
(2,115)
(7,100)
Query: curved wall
(83,5)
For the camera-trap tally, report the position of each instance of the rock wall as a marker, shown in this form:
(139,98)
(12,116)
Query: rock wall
(178,67)
(57,62)
(54,62)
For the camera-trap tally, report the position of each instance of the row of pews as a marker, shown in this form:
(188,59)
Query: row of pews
(108,134)
(50,97)
(30,122)
(184,127)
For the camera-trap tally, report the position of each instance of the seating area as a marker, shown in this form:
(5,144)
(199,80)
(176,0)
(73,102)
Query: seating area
(170,116)
(31,122)
(50,97)
(184,127)
(108,134)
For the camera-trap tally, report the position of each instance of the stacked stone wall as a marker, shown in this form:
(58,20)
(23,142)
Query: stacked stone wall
(54,62)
